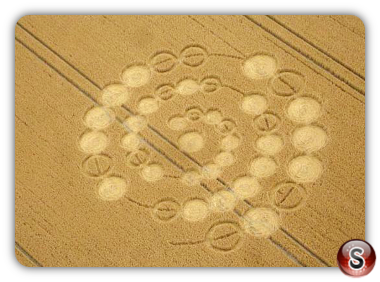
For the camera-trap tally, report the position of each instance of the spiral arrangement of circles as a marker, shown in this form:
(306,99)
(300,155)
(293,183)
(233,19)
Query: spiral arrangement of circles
(307,138)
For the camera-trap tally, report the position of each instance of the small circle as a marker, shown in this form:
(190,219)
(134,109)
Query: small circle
(97,165)
(112,188)
(254,104)
(195,210)
(213,117)
(178,123)
(99,118)
(224,236)
(287,83)
(269,144)
(309,138)
(305,169)
(210,85)
(246,187)
(230,143)
(187,87)
(356,258)
(152,172)
(163,61)
(194,114)
(260,66)
(193,56)
(288,196)
(304,110)
(136,76)
(115,95)
(223,201)
(191,178)
(191,142)
(211,171)
(261,222)
(226,127)
(138,158)
(136,123)
(166,210)
(263,167)
(224,159)
(93,142)
(130,142)
(165,92)
(148,105)
(266,123)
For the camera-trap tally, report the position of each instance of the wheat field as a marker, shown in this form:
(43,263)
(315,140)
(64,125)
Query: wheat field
(178,141)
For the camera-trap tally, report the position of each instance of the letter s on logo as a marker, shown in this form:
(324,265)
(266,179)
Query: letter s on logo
(356,261)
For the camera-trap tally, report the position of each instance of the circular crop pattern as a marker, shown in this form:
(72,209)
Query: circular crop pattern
(254,104)
(136,76)
(166,210)
(224,236)
(269,144)
(148,105)
(223,201)
(99,118)
(309,138)
(93,142)
(163,61)
(261,222)
(287,83)
(263,167)
(191,142)
(305,169)
(130,142)
(304,110)
(115,95)
(136,123)
(269,121)
(112,188)
(152,172)
(246,187)
(193,56)
(187,87)
(260,66)
(195,210)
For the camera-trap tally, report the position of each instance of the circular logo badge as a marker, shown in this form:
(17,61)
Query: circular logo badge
(356,258)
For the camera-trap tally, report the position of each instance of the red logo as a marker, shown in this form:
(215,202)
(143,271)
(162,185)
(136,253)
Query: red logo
(356,258)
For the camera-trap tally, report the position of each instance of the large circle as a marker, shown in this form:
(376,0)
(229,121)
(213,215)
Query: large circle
(148,105)
(93,142)
(223,201)
(269,144)
(191,142)
(195,210)
(187,87)
(136,76)
(309,138)
(152,172)
(260,66)
(112,188)
(246,187)
(99,118)
(130,142)
(304,110)
(136,123)
(305,169)
(261,222)
(115,95)
(263,167)
(254,104)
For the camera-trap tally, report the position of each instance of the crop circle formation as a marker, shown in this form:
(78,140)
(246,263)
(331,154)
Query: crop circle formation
(307,138)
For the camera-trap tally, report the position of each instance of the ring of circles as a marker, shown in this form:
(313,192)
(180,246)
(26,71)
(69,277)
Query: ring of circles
(303,111)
